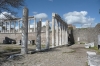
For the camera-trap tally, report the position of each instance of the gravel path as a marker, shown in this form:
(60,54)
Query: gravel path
(62,56)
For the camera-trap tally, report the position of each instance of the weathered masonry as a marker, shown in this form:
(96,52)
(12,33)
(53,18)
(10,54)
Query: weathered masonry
(87,35)
(61,31)
(57,36)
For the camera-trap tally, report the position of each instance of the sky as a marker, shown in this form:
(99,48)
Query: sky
(81,13)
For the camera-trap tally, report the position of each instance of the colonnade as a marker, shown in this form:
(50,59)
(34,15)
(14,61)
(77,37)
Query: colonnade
(59,31)
(15,26)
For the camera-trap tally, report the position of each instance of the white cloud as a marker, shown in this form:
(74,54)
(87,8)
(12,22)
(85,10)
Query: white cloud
(87,25)
(78,18)
(17,27)
(41,16)
(31,26)
(43,24)
(2,15)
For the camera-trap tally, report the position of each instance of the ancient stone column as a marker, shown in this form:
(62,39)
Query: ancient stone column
(53,29)
(2,27)
(28,25)
(66,35)
(18,26)
(5,27)
(60,34)
(24,49)
(38,38)
(57,33)
(41,23)
(14,27)
(9,27)
(47,35)
(34,24)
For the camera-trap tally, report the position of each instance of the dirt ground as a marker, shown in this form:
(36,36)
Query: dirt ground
(74,55)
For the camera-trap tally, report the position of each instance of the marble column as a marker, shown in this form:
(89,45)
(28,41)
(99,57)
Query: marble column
(28,25)
(66,35)
(47,35)
(14,27)
(34,24)
(53,29)
(57,33)
(9,27)
(5,27)
(60,34)
(18,26)
(63,33)
(2,28)
(24,49)
(41,23)
(38,38)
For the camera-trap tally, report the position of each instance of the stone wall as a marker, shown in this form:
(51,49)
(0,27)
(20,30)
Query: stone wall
(96,33)
(81,34)
(17,36)
(87,35)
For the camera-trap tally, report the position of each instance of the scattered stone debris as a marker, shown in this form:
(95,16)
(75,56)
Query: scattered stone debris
(93,59)
(88,45)
(15,57)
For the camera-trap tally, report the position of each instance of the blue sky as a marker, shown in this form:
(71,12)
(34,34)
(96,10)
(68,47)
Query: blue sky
(87,10)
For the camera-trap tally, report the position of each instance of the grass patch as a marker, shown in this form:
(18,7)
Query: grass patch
(86,63)
(10,49)
(42,46)
(82,43)
(79,42)
(95,48)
